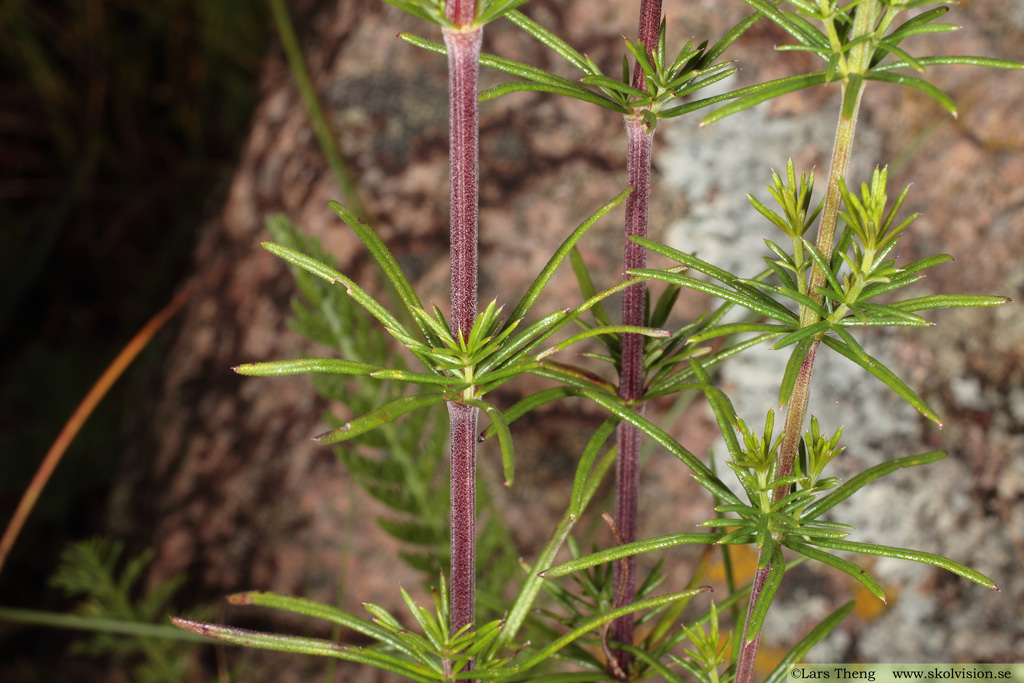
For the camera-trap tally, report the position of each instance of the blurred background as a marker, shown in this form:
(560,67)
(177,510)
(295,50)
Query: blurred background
(142,144)
(120,127)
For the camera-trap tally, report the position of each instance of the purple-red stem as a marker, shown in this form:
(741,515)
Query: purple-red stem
(464,158)
(627,469)
(463,45)
(627,466)
(463,421)
(462,13)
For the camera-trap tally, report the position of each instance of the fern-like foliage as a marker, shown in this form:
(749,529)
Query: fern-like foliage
(89,570)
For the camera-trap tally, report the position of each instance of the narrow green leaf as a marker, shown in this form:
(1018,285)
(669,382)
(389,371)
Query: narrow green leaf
(426,621)
(776,570)
(595,331)
(817,634)
(701,471)
(316,610)
(429,45)
(579,485)
(671,383)
(380,416)
(849,348)
(575,377)
(963,60)
(682,109)
(694,86)
(419,378)
(883,314)
(526,303)
(913,555)
(306,365)
(309,646)
(586,285)
(793,365)
(827,502)
(626,550)
(925,303)
(685,259)
(723,43)
(721,406)
(383,256)
(616,86)
(640,55)
(524,339)
(418,9)
(802,31)
(534,582)
(527,404)
(854,570)
(355,291)
(545,653)
(494,10)
(802,334)
(592,302)
(522,70)
(920,22)
(763,93)
(757,305)
(735,328)
(562,48)
(927,87)
(499,425)
(793,294)
(924,264)
(578,93)
(304,262)
(80,622)
(827,269)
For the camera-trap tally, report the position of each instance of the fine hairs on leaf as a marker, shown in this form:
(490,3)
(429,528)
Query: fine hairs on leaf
(603,614)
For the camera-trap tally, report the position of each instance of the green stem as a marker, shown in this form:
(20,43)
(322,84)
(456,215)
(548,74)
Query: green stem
(859,60)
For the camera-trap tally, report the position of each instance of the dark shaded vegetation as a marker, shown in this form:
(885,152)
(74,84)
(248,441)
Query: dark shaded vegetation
(120,121)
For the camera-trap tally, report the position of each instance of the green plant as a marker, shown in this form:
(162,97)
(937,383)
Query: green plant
(89,572)
(806,294)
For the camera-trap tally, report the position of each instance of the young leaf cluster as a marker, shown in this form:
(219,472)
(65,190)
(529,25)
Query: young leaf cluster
(399,467)
(433,653)
(794,522)
(826,28)
(858,271)
(666,80)
(496,351)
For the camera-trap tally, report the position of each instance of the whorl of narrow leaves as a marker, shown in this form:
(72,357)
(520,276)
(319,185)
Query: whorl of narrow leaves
(807,294)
